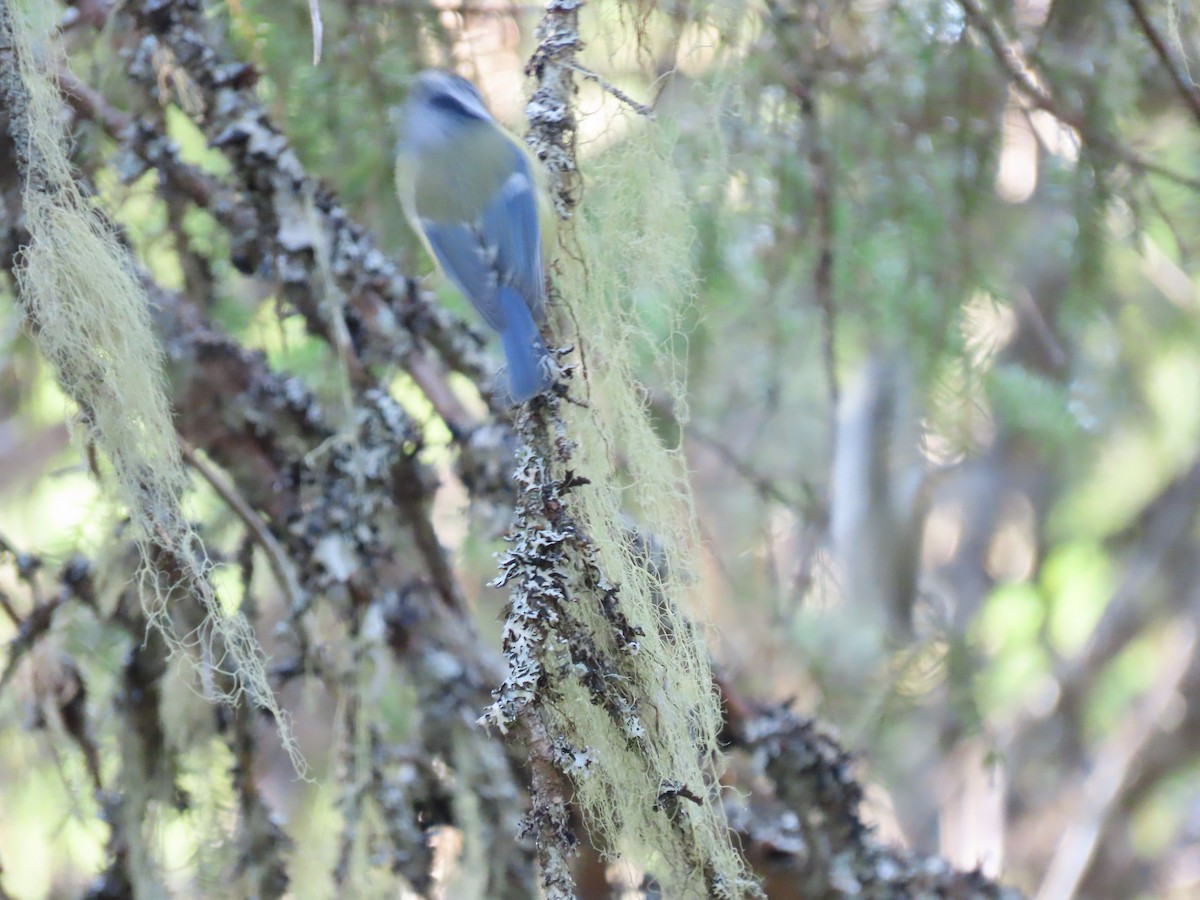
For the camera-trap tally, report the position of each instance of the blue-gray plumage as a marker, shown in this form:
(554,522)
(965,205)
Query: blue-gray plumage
(470,190)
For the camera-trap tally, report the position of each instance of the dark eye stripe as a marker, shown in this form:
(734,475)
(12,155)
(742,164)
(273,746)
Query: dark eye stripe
(447,103)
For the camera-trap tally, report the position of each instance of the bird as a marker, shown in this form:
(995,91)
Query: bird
(470,190)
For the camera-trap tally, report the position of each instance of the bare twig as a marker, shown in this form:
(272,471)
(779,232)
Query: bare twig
(1012,60)
(762,484)
(640,108)
(1187,90)
(276,557)
(89,103)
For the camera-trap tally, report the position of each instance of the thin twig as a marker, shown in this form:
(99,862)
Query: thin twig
(1186,90)
(276,558)
(434,384)
(764,485)
(640,108)
(90,103)
(1026,80)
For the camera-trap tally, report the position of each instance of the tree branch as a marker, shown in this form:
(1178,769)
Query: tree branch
(1187,90)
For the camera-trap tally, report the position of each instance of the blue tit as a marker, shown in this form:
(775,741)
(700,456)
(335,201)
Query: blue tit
(469,188)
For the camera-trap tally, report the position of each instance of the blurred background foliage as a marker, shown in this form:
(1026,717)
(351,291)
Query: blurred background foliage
(995,284)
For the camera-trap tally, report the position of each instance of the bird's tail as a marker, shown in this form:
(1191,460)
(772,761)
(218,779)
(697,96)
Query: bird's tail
(528,372)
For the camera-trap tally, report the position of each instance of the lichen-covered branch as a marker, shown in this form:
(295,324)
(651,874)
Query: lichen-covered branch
(816,844)
(292,232)
(590,651)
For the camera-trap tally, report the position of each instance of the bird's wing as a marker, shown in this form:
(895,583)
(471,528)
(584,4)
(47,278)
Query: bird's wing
(510,226)
(462,255)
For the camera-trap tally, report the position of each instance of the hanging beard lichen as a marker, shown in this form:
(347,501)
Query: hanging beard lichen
(91,319)
(602,562)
